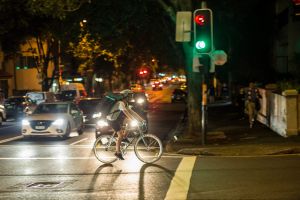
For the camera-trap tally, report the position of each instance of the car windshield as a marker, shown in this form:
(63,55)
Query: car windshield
(139,95)
(17,100)
(51,108)
(177,91)
(88,106)
(36,96)
(68,95)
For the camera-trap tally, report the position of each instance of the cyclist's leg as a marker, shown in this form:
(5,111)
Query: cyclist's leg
(117,126)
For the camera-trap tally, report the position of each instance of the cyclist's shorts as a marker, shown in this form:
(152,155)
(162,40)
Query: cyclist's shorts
(118,123)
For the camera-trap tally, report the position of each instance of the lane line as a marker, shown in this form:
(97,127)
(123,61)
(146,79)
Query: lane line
(49,158)
(180,183)
(11,139)
(79,141)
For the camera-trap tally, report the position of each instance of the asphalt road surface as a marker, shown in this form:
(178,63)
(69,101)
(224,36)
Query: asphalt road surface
(52,168)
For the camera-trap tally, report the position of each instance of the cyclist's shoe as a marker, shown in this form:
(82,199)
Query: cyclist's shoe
(125,140)
(119,155)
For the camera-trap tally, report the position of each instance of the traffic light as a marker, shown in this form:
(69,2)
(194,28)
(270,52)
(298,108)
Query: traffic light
(296,10)
(143,72)
(203,31)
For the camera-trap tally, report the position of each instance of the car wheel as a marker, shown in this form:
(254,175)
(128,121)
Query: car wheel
(80,129)
(68,131)
(1,119)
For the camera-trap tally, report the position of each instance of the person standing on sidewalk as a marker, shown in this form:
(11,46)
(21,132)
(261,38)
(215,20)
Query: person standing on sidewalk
(240,103)
(252,100)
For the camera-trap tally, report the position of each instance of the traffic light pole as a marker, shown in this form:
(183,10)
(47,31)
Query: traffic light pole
(203,45)
(205,61)
(204,111)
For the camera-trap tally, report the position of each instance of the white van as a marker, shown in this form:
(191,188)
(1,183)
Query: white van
(72,92)
(41,97)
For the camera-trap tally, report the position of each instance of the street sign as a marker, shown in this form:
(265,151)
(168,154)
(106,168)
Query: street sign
(196,64)
(183,26)
(219,57)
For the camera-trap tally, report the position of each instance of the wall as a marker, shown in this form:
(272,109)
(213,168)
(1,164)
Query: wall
(280,112)
(26,79)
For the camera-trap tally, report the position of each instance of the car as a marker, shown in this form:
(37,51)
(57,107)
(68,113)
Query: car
(2,114)
(139,99)
(138,102)
(41,97)
(157,85)
(137,87)
(178,95)
(53,119)
(17,106)
(88,106)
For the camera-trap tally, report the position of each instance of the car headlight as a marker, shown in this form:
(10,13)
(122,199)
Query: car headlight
(97,115)
(58,122)
(102,123)
(140,101)
(25,122)
(134,123)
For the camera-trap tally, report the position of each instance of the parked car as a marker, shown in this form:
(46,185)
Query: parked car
(53,119)
(41,97)
(2,114)
(17,106)
(178,95)
(88,106)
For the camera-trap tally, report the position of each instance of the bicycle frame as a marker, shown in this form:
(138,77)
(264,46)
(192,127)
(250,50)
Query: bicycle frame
(136,132)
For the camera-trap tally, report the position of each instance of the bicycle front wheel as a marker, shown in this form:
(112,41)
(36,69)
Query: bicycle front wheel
(148,148)
(104,148)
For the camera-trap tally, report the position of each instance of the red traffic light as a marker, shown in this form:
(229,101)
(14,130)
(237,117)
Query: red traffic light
(200,20)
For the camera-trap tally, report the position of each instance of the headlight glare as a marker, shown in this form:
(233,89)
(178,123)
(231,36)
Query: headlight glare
(140,101)
(25,122)
(102,123)
(97,115)
(134,123)
(58,122)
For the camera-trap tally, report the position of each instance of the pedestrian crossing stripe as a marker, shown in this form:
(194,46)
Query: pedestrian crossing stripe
(180,183)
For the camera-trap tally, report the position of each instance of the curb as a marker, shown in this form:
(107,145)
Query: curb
(245,150)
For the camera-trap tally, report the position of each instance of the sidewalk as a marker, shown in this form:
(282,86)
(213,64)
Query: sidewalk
(228,135)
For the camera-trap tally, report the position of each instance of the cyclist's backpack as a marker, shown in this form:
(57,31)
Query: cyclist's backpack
(106,105)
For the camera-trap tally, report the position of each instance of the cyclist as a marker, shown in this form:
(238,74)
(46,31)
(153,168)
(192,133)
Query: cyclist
(118,113)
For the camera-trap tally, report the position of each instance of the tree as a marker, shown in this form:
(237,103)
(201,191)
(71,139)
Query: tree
(194,79)
(42,20)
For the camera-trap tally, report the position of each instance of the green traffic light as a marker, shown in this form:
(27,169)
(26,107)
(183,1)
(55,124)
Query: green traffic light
(200,44)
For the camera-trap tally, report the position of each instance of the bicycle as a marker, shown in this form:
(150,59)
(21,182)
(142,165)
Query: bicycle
(148,148)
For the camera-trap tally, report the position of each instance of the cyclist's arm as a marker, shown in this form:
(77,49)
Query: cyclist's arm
(130,113)
(135,115)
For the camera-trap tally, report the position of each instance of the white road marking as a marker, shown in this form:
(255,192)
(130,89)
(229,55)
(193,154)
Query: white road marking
(79,141)
(49,158)
(11,139)
(180,183)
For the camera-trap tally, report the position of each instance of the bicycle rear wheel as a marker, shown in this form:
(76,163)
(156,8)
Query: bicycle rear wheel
(105,148)
(148,148)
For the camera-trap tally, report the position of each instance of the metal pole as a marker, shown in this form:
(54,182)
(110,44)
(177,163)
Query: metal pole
(204,110)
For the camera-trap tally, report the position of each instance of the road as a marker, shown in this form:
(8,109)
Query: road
(51,168)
